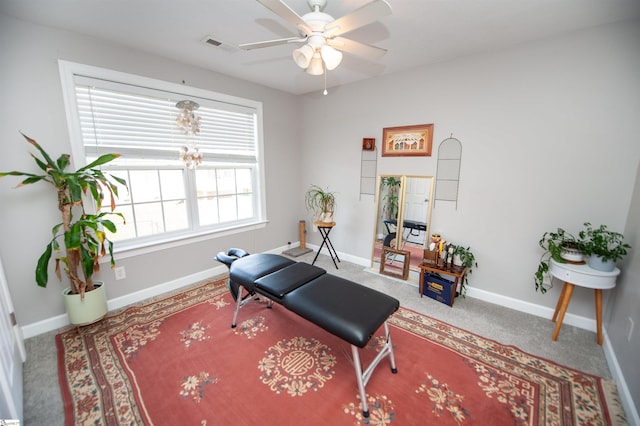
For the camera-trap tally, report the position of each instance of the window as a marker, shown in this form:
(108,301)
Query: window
(112,112)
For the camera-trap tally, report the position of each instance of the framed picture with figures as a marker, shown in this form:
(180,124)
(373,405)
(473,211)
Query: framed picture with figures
(407,141)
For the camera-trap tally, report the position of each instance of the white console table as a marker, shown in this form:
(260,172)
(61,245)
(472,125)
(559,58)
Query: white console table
(580,275)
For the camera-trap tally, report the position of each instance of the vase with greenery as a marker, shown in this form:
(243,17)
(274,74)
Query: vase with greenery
(321,202)
(604,246)
(559,246)
(80,239)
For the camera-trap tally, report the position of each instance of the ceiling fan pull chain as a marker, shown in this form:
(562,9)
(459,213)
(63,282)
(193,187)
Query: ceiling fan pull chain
(324,68)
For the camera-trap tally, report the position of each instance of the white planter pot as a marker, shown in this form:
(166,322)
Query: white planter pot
(596,262)
(326,217)
(89,310)
(571,254)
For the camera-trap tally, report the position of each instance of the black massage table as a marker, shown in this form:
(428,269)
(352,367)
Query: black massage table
(344,308)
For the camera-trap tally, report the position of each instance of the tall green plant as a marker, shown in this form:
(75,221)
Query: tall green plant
(80,232)
(390,209)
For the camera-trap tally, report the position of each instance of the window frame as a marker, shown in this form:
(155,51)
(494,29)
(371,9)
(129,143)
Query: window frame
(68,70)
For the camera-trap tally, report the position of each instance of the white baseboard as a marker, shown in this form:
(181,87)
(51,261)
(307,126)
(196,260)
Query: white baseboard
(59,321)
(630,409)
(530,308)
(345,256)
(545,312)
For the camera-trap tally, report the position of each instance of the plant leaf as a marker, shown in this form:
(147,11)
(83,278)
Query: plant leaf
(99,161)
(42,152)
(73,238)
(75,189)
(87,261)
(63,161)
(42,273)
(15,173)
(110,248)
(109,225)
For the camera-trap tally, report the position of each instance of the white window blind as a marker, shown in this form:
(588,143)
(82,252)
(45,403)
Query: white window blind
(140,123)
(167,202)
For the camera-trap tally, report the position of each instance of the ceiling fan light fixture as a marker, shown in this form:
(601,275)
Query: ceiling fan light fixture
(330,56)
(320,32)
(316,67)
(303,56)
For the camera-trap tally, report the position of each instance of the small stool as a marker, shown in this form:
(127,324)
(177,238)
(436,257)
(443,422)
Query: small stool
(325,228)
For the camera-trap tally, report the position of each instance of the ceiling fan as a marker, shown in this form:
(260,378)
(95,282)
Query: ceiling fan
(321,34)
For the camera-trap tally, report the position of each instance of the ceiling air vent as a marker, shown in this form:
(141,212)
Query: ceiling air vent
(210,40)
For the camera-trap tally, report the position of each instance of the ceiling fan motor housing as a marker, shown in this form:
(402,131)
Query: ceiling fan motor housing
(317,21)
(310,56)
(320,4)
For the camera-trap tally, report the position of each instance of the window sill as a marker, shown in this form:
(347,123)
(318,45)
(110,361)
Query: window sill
(137,249)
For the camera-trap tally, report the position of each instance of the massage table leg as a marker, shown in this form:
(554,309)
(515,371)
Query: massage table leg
(241,301)
(363,377)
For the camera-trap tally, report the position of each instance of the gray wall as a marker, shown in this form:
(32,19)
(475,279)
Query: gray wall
(625,303)
(32,103)
(549,139)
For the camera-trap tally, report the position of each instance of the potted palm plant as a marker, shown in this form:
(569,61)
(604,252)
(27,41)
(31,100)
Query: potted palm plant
(321,202)
(80,238)
(603,246)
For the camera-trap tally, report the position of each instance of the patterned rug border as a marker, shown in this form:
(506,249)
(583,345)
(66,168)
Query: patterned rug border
(471,345)
(463,341)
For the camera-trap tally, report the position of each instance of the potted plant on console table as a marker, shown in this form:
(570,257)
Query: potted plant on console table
(321,202)
(603,247)
(463,256)
(80,195)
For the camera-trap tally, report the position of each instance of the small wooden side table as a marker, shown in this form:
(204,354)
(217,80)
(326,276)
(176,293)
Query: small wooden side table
(458,272)
(582,276)
(324,228)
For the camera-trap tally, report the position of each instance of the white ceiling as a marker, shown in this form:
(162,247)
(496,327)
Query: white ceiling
(418,32)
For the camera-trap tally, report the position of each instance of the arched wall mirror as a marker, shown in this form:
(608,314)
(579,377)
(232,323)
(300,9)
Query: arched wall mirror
(401,230)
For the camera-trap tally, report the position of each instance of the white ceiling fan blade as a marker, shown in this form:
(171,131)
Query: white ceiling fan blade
(367,14)
(288,14)
(269,43)
(356,48)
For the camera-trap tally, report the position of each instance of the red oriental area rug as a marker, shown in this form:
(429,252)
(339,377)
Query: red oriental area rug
(177,361)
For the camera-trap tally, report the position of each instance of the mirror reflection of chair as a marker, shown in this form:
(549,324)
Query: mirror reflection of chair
(403,215)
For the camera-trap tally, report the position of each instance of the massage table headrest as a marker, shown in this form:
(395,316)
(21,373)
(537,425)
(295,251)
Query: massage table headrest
(230,256)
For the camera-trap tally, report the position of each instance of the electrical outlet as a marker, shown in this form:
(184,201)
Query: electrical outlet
(120,273)
(630,329)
